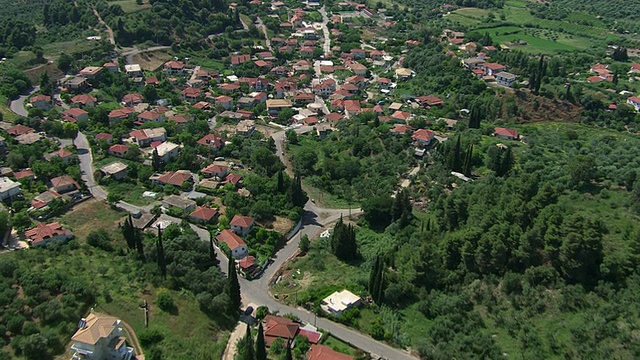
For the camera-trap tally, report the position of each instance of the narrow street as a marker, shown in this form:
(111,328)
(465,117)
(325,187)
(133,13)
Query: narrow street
(325,30)
(262,27)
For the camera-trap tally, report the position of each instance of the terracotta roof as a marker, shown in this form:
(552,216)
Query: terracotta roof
(176,178)
(322,352)
(119,148)
(506,132)
(19,130)
(401,128)
(333,117)
(121,113)
(150,115)
(204,213)
(401,115)
(242,221)
(231,239)
(423,135)
(104,136)
(42,232)
(64,180)
(233,179)
(240,59)
(23,174)
(74,112)
(279,327)
(494,66)
(180,118)
(211,140)
(83,99)
(215,169)
(430,100)
(40,97)
(223,99)
(352,105)
(132,98)
(174,65)
(190,92)
(62,153)
(247,262)
(97,327)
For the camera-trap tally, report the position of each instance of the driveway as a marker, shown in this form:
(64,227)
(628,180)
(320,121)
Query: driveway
(86,166)
(17,105)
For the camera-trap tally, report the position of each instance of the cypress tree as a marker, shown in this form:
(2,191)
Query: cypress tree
(281,187)
(128,233)
(376,280)
(288,355)
(467,161)
(261,347)
(233,287)
(506,163)
(455,156)
(162,265)
(139,245)
(156,163)
(248,341)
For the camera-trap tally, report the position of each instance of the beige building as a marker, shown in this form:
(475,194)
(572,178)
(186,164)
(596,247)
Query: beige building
(100,337)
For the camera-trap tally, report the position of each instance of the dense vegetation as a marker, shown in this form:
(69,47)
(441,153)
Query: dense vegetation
(555,237)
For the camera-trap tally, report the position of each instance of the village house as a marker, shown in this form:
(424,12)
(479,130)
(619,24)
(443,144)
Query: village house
(403,74)
(506,134)
(236,245)
(204,215)
(213,141)
(45,233)
(238,60)
(226,102)
(357,68)
(9,189)
(111,67)
(178,202)
(174,68)
(42,200)
(26,174)
(119,150)
(116,170)
(423,137)
(90,72)
(132,99)
(64,184)
(336,303)
(400,129)
(229,88)
(473,63)
(384,83)
(83,100)
(246,102)
(117,115)
(303,98)
(246,266)
(242,225)
(635,102)
(492,69)
(133,70)
(218,171)
(274,106)
(167,151)
(278,327)
(352,107)
(150,116)
(100,337)
(429,101)
(64,155)
(19,129)
(322,352)
(245,128)
(401,116)
(323,130)
(29,138)
(76,84)
(176,178)
(190,94)
(75,114)
(325,87)
(41,102)
(505,79)
(144,137)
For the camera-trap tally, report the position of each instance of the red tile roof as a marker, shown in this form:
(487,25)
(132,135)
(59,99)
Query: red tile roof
(204,213)
(104,136)
(231,239)
(211,140)
(83,99)
(506,132)
(19,130)
(40,97)
(247,262)
(74,112)
(119,149)
(322,352)
(240,59)
(132,98)
(177,178)
(23,174)
(279,327)
(401,115)
(45,231)
(233,179)
(423,135)
(242,221)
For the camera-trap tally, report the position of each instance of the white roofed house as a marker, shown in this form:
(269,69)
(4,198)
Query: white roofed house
(167,151)
(9,189)
(336,303)
(100,337)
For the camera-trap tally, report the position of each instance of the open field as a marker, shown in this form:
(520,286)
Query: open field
(92,215)
(130,6)
(152,60)
(7,114)
(515,22)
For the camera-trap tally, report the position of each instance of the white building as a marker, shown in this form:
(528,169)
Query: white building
(505,79)
(100,337)
(336,303)
(9,189)
(167,151)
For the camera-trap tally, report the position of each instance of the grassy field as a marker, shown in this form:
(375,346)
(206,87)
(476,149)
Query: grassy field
(187,333)
(7,114)
(543,36)
(53,50)
(338,345)
(130,6)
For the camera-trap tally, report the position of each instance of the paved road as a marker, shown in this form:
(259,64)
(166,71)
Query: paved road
(325,30)
(86,166)
(17,105)
(262,27)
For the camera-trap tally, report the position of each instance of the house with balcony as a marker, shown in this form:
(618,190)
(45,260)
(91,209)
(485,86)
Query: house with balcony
(190,94)
(274,106)
(174,68)
(83,100)
(100,337)
(505,79)
(9,189)
(212,141)
(144,137)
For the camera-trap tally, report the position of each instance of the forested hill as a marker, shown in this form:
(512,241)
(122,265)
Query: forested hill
(28,10)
